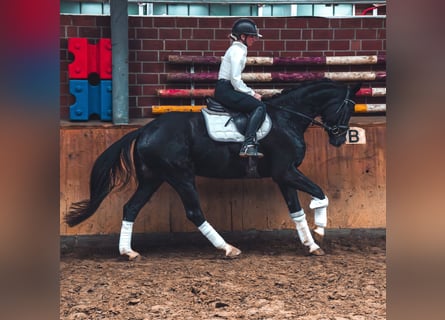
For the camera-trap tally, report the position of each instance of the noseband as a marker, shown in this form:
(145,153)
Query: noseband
(336,130)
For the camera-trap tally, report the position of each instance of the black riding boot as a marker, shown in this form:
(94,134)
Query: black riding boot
(250,145)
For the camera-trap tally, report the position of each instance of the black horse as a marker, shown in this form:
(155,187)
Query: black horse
(176,147)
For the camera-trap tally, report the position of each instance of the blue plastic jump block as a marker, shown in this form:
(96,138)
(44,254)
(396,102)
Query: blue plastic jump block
(91,99)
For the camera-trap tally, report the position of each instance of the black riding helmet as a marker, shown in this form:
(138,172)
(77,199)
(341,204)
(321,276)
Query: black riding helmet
(245,26)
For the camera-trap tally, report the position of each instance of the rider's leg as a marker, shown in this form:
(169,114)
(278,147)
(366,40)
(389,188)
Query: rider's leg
(249,147)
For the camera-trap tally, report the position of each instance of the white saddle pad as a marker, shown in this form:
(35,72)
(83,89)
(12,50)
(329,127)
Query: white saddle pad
(221,129)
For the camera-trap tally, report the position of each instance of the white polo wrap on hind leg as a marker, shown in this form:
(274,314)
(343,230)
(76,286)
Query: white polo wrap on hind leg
(125,237)
(320,207)
(213,236)
(303,231)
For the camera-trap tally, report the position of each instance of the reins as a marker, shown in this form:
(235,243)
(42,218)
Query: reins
(335,130)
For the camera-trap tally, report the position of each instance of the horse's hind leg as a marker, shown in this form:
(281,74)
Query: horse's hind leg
(185,187)
(141,196)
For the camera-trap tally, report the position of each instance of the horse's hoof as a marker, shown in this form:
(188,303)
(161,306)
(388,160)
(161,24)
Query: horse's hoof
(318,252)
(132,255)
(231,251)
(318,238)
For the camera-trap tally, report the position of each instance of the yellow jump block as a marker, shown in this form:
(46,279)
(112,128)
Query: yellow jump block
(164,109)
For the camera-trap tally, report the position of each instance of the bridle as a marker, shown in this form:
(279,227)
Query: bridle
(336,130)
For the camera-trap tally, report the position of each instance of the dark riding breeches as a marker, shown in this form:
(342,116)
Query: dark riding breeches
(242,102)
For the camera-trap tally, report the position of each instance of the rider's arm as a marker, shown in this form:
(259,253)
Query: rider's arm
(237,63)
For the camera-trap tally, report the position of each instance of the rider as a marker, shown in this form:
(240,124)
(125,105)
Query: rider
(232,92)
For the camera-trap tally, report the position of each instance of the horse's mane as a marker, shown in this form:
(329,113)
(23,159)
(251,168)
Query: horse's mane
(300,86)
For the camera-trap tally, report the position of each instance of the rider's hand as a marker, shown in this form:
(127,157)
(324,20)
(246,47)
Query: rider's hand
(257,96)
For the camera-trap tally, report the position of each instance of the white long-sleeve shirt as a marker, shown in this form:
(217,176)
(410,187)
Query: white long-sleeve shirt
(232,65)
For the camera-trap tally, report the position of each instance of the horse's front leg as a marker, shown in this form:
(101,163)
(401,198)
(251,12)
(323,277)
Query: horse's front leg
(298,215)
(188,193)
(319,202)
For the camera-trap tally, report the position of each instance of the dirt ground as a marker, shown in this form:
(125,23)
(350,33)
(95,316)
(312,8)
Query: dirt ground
(270,280)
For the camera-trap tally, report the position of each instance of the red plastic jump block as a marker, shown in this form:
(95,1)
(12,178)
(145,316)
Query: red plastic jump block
(90,58)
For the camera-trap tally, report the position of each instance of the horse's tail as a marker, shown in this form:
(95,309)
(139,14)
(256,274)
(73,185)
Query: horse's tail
(113,168)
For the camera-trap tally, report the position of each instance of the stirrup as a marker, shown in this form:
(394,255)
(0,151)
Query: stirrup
(250,150)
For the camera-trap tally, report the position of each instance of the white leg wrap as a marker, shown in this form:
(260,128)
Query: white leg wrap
(320,212)
(213,236)
(303,231)
(319,203)
(125,237)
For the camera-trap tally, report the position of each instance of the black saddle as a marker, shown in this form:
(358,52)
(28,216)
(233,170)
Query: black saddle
(238,118)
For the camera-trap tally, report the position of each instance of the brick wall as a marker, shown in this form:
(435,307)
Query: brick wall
(152,39)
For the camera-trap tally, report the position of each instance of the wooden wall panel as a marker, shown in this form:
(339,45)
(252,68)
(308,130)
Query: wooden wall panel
(353,176)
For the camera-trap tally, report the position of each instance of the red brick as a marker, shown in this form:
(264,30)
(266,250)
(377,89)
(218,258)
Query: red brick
(135,90)
(227,23)
(306,34)
(275,23)
(169,33)
(135,45)
(147,55)
(148,22)
(134,67)
(154,67)
(66,20)
(290,34)
(72,32)
(274,45)
(313,45)
(198,45)
(339,45)
(356,45)
(83,20)
(147,33)
(152,45)
(344,34)
(298,45)
(135,22)
(219,45)
(222,34)
(173,44)
(351,23)
(374,23)
(270,34)
(186,23)
(366,34)
(147,78)
(186,34)
(296,23)
(168,22)
(335,23)
(209,24)
(323,34)
(206,34)
(318,23)
(371,45)
(90,32)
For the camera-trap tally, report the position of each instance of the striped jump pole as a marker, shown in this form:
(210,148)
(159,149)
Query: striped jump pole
(359,108)
(201,93)
(282,76)
(269,61)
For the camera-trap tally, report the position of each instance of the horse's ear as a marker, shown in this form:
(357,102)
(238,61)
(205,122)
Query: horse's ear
(355,87)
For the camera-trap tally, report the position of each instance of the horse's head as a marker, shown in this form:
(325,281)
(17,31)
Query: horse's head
(337,113)
(331,100)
